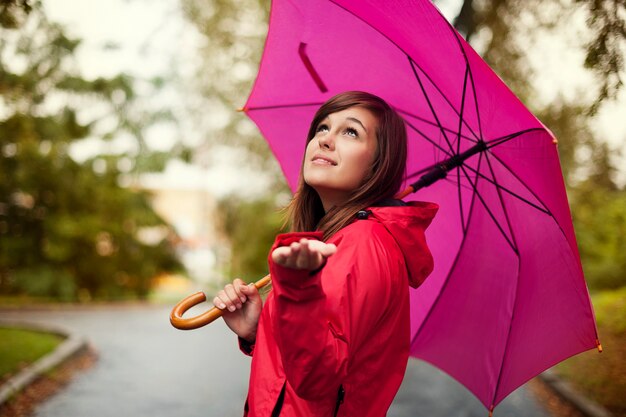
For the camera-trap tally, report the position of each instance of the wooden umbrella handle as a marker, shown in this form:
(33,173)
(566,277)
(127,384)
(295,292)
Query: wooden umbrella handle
(176,316)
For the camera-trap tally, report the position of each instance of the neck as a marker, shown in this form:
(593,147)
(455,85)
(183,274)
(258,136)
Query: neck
(331,198)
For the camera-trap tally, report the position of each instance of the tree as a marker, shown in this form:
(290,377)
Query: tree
(67,229)
(251,227)
(604,50)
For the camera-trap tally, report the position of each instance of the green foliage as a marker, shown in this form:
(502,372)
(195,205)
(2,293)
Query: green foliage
(602,376)
(605,51)
(45,281)
(234,34)
(13,12)
(503,21)
(22,347)
(610,309)
(67,229)
(600,223)
(251,227)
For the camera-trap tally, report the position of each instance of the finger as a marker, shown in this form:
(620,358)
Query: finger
(302,260)
(234,298)
(280,255)
(291,257)
(295,248)
(313,256)
(251,292)
(237,284)
(328,250)
(217,302)
(225,301)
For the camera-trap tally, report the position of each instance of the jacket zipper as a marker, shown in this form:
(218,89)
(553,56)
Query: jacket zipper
(340,396)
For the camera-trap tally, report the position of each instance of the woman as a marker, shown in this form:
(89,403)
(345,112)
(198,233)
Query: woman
(333,335)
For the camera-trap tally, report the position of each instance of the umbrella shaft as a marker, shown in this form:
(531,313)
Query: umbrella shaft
(440,170)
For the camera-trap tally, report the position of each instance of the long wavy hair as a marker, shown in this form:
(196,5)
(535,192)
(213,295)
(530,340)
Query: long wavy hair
(382,181)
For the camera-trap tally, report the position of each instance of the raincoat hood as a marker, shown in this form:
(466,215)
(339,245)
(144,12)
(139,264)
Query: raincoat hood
(407,224)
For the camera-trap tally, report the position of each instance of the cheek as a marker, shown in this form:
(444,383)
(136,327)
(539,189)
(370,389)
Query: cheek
(360,166)
(310,147)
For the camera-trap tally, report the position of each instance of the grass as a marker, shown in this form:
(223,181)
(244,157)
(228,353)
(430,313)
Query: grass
(602,376)
(19,348)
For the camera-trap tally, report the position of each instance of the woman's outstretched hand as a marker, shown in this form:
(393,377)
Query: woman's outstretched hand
(242,306)
(306,254)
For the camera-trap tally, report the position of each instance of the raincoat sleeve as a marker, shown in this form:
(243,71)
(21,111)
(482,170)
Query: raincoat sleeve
(321,318)
(246,347)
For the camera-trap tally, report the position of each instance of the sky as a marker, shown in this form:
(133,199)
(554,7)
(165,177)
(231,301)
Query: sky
(150,38)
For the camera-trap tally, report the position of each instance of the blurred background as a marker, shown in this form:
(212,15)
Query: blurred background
(127,174)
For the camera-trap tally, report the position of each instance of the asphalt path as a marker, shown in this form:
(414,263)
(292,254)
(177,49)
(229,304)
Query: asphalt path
(148,368)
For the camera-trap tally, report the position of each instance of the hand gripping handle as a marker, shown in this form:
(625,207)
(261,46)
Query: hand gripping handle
(176,316)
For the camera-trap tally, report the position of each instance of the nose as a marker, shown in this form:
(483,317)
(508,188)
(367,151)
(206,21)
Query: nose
(327,141)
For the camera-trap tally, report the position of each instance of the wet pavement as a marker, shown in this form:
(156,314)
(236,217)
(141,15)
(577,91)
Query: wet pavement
(148,368)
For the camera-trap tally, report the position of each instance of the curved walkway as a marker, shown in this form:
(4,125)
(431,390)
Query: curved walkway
(148,368)
(72,345)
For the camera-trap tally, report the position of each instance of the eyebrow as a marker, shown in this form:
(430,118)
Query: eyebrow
(347,118)
(357,121)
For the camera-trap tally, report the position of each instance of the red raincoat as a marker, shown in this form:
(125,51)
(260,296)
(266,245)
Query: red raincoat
(336,342)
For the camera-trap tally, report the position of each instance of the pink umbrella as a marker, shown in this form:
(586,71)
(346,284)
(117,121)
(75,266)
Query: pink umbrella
(507,298)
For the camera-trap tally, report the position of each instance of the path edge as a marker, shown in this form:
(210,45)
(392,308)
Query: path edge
(579,401)
(70,347)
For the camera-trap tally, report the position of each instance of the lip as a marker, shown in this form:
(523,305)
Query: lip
(323,158)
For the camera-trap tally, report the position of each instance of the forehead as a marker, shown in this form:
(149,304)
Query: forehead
(366,117)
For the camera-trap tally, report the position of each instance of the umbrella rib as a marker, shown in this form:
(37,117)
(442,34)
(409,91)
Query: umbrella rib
(547,210)
(508,334)
(467,187)
(430,105)
(501,187)
(458,181)
(489,211)
(458,137)
(435,144)
(519,260)
(452,267)
(458,145)
(506,213)
(421,119)
(510,136)
(413,63)
(458,40)
(408,56)
(449,154)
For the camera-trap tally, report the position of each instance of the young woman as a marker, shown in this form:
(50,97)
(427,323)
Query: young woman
(333,336)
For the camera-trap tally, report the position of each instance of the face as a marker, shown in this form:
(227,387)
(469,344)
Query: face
(340,154)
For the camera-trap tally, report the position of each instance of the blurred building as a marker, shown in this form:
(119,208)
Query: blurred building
(192,211)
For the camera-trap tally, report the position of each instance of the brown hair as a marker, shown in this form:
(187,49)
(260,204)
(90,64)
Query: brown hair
(383,180)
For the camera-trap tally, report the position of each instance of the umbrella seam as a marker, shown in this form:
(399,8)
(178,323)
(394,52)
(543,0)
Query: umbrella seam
(408,56)
(584,297)
(433,124)
(489,211)
(430,105)
(447,278)
(519,269)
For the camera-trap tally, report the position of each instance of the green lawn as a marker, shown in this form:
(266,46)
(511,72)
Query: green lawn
(19,348)
(602,376)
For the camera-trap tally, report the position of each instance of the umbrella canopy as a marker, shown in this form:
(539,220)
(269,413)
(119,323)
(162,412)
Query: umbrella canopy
(507,298)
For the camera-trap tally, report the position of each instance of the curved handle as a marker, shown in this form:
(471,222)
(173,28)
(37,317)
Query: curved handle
(176,316)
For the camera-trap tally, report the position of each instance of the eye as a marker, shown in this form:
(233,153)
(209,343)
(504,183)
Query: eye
(321,128)
(352,132)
